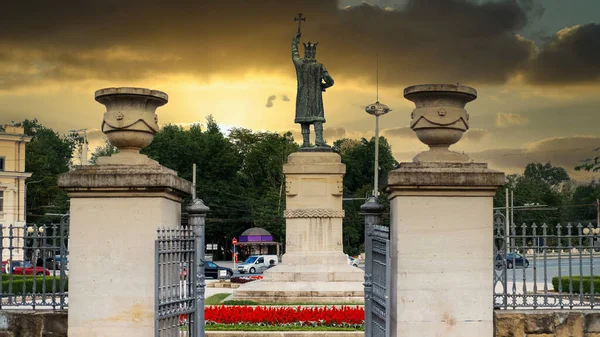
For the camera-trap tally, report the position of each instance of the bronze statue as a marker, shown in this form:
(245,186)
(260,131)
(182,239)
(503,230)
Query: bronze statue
(313,79)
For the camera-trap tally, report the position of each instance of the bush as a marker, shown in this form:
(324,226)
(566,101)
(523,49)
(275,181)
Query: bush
(17,284)
(587,284)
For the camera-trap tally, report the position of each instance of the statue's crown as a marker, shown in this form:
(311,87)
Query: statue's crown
(310,46)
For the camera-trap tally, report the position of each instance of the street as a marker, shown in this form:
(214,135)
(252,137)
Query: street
(539,271)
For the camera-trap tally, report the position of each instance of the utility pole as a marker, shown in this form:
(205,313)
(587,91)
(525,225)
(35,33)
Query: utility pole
(194,182)
(597,213)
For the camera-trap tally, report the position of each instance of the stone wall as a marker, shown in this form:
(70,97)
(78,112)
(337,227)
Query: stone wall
(33,323)
(508,323)
(547,323)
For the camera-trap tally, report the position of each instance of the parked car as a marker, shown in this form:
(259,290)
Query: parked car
(352,261)
(512,260)
(49,262)
(23,268)
(211,269)
(257,263)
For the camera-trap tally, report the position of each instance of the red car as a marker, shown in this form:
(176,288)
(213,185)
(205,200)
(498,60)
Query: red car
(23,268)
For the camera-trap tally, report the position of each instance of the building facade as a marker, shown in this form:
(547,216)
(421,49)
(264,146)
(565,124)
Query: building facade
(12,186)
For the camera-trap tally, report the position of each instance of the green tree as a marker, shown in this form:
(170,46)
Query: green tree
(590,164)
(541,184)
(551,175)
(584,203)
(264,154)
(359,157)
(106,150)
(47,156)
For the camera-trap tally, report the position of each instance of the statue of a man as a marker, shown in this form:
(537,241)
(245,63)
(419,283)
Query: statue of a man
(313,79)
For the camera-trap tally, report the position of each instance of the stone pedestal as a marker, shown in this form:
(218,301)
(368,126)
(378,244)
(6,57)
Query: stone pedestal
(115,212)
(442,225)
(442,249)
(314,268)
(116,208)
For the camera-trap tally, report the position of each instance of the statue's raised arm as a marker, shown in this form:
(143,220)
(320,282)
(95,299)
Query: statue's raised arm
(295,53)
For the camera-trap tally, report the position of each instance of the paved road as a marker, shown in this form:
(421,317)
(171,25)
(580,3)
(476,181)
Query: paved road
(552,268)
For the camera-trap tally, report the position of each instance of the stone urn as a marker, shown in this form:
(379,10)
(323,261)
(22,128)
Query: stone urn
(439,119)
(130,122)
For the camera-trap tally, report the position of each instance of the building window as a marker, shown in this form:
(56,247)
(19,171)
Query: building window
(1,201)
(2,160)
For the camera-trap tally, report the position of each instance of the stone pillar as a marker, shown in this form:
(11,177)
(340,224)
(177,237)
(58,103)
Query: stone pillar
(116,208)
(314,268)
(441,225)
(197,221)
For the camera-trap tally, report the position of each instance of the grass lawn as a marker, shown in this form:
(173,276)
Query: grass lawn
(216,299)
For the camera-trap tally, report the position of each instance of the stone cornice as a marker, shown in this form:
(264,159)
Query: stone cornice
(13,174)
(313,213)
(125,181)
(14,137)
(444,179)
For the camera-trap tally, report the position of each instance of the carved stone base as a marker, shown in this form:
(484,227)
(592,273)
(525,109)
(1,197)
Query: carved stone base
(301,292)
(316,149)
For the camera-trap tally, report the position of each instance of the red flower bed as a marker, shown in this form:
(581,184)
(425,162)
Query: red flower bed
(245,279)
(314,316)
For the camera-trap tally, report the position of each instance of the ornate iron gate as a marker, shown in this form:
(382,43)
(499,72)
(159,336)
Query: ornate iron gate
(500,251)
(378,274)
(180,285)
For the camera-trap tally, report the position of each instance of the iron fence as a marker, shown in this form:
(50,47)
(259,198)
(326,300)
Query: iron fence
(35,265)
(378,271)
(546,266)
(175,276)
(179,273)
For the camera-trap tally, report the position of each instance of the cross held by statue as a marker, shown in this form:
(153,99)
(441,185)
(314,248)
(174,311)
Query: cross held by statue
(299,19)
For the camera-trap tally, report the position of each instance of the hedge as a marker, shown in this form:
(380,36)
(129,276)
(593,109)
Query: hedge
(587,284)
(17,284)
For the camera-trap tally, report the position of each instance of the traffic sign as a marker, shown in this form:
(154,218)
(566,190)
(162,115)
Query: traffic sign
(234,241)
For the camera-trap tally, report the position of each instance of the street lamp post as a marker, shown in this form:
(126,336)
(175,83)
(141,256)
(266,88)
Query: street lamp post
(84,147)
(377,109)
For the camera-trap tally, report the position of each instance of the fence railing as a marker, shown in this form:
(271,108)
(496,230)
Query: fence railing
(35,265)
(546,266)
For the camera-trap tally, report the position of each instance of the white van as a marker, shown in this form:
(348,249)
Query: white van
(257,263)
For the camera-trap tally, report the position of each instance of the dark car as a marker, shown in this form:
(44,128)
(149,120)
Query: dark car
(211,269)
(512,260)
(49,262)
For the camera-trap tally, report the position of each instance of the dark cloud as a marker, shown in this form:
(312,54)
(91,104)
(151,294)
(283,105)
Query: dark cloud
(424,40)
(401,132)
(334,133)
(271,98)
(566,152)
(270,101)
(571,56)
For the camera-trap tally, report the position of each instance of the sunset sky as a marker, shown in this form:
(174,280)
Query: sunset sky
(535,65)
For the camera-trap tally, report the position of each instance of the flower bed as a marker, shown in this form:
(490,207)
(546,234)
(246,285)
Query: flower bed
(245,279)
(345,316)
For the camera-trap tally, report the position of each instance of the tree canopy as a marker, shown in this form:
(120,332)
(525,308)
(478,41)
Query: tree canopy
(46,156)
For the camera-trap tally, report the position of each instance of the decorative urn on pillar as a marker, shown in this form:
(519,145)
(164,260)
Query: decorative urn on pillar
(439,119)
(130,122)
